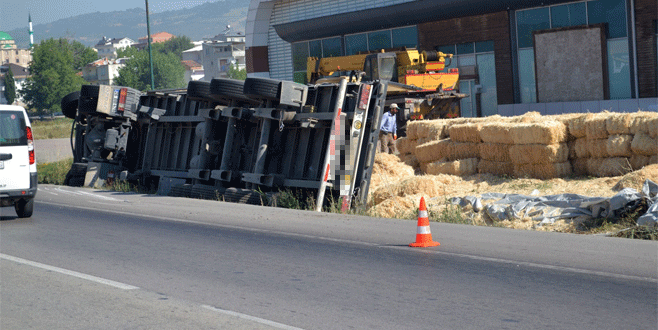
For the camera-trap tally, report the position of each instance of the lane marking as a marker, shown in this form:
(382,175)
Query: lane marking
(402,247)
(251,318)
(83,276)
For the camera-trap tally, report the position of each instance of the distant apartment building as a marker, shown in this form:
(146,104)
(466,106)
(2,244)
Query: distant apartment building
(9,53)
(220,52)
(193,70)
(103,71)
(108,47)
(20,74)
(142,42)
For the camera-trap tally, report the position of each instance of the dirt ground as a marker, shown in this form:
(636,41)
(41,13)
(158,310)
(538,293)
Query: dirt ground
(396,189)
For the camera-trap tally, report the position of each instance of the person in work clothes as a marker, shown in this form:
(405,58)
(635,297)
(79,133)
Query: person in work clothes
(387,132)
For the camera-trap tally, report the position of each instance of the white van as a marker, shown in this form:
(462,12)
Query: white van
(18,165)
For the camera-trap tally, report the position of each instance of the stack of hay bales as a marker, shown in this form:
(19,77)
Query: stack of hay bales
(535,146)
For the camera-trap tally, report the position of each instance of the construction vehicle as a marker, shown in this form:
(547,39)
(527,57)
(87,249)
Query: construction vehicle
(417,80)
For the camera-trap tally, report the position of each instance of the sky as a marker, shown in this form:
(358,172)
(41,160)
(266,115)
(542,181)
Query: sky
(14,13)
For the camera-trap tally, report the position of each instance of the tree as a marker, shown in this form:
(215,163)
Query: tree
(168,71)
(10,87)
(176,45)
(235,73)
(82,55)
(53,76)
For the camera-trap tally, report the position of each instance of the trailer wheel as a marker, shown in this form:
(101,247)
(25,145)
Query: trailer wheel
(70,104)
(198,90)
(262,88)
(230,88)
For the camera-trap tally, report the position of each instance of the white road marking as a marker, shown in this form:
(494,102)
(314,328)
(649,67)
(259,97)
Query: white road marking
(251,318)
(405,247)
(84,193)
(87,277)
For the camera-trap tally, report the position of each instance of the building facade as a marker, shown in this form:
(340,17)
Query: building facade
(103,71)
(9,53)
(222,51)
(550,56)
(108,47)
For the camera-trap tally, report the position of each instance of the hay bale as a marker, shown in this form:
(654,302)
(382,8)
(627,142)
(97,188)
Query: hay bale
(495,168)
(638,161)
(496,132)
(412,129)
(643,144)
(388,169)
(395,207)
(469,132)
(653,159)
(433,151)
(458,167)
(548,132)
(652,126)
(598,148)
(595,126)
(539,153)
(431,129)
(498,152)
(410,160)
(581,147)
(463,150)
(636,179)
(619,145)
(604,167)
(639,122)
(576,125)
(528,117)
(579,166)
(543,171)
(428,185)
(406,145)
(618,123)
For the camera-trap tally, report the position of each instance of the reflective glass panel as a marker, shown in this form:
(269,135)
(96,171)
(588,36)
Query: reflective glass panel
(484,46)
(331,47)
(618,69)
(465,48)
(450,49)
(527,76)
(487,74)
(299,77)
(528,21)
(405,37)
(568,15)
(315,48)
(356,43)
(379,40)
(612,12)
(299,56)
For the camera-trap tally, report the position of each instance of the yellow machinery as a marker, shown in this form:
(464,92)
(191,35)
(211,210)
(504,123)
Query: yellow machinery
(417,80)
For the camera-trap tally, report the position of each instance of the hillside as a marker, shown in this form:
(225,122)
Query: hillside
(203,21)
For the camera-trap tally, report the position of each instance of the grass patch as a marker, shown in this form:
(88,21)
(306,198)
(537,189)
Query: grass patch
(55,172)
(58,128)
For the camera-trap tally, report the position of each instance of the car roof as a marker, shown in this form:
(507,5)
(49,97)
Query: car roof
(11,107)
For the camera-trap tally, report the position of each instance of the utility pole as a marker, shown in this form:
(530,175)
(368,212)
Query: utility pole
(148,32)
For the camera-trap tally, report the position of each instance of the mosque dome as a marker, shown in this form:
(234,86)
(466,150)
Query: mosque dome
(5,36)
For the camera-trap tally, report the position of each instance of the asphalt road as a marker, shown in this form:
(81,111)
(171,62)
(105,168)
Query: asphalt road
(132,261)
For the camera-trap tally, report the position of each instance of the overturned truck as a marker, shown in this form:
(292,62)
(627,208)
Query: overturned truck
(230,139)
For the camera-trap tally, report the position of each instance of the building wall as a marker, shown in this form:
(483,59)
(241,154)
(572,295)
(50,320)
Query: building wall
(488,27)
(646,14)
(22,57)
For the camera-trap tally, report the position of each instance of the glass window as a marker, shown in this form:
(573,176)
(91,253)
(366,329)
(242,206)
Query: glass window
(467,104)
(299,77)
(12,129)
(527,76)
(568,15)
(612,12)
(315,48)
(528,21)
(405,37)
(484,46)
(379,40)
(356,43)
(465,48)
(487,75)
(299,56)
(618,69)
(331,47)
(465,60)
(446,49)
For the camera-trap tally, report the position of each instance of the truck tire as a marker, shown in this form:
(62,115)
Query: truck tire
(262,88)
(76,175)
(70,104)
(24,208)
(230,88)
(89,90)
(199,90)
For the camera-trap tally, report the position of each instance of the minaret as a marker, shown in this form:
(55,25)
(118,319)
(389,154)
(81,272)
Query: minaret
(29,17)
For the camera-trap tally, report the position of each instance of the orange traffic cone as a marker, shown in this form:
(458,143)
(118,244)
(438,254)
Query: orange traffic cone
(423,235)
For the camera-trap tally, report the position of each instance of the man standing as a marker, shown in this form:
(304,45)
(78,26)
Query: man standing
(388,130)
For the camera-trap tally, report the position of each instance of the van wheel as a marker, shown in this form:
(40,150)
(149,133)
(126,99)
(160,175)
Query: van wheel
(24,208)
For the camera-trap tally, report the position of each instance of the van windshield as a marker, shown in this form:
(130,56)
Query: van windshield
(12,129)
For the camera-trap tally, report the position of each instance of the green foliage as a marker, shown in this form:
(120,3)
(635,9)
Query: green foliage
(168,71)
(235,73)
(52,129)
(10,87)
(55,172)
(175,45)
(82,55)
(53,75)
